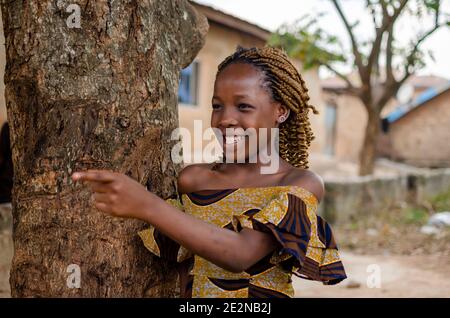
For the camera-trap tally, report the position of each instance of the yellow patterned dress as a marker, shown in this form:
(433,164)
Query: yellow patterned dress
(306,245)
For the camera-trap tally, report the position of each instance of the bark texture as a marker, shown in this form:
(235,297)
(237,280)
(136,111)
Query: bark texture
(368,150)
(100,96)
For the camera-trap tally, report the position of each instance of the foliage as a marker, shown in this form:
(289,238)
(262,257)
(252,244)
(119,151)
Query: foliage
(441,202)
(308,42)
(415,215)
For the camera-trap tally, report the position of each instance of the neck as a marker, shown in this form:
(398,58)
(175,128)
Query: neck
(253,168)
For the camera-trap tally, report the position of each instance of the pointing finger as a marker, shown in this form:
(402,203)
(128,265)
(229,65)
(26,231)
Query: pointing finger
(94,175)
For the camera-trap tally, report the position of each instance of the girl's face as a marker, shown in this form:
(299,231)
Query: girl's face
(240,102)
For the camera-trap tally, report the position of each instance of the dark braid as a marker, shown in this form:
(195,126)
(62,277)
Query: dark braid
(285,85)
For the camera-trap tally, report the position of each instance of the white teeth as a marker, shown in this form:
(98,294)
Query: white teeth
(233,139)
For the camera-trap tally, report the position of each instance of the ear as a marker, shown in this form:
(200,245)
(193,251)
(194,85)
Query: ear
(282,111)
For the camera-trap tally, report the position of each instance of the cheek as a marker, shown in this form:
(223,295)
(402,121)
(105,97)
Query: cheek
(264,119)
(215,120)
(258,117)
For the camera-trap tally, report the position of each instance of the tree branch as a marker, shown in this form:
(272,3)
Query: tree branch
(373,12)
(390,90)
(388,22)
(384,8)
(356,53)
(392,86)
(389,54)
(340,75)
(411,60)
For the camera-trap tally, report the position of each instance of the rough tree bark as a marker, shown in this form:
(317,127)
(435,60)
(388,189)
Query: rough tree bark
(100,96)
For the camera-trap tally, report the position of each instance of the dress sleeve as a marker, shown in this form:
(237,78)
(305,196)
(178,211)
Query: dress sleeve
(161,245)
(306,243)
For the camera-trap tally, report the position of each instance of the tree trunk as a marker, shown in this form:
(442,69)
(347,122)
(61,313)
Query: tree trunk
(100,96)
(368,150)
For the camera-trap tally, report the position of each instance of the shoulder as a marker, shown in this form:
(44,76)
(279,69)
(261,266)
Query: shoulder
(193,176)
(308,180)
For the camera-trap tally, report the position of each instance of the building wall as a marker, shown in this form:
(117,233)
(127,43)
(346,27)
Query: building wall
(315,92)
(422,136)
(351,120)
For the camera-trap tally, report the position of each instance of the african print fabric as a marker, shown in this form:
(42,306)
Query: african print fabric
(306,246)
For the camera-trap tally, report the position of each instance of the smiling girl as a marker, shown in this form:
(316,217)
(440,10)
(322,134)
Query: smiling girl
(235,231)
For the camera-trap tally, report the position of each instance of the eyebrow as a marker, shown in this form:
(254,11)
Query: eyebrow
(238,95)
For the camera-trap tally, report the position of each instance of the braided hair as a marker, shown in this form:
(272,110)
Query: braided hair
(285,85)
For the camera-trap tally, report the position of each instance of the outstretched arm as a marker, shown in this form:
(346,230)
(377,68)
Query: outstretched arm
(121,196)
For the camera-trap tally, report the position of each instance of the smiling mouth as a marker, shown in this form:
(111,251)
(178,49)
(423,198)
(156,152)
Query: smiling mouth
(232,140)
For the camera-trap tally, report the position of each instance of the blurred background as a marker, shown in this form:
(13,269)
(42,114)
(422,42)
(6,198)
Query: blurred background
(378,72)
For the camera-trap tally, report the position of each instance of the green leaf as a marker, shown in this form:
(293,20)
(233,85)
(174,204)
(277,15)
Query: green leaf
(305,40)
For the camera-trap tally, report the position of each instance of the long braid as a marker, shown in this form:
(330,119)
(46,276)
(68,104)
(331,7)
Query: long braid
(286,85)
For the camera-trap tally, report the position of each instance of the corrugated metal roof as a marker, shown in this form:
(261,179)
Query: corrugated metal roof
(423,98)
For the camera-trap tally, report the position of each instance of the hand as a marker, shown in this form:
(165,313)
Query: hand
(116,194)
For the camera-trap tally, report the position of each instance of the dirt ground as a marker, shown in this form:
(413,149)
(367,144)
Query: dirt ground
(400,276)
(410,263)
(6,253)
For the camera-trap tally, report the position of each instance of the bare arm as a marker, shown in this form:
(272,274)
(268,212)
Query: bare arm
(230,250)
(119,195)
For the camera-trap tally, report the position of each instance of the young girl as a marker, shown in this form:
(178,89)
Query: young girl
(235,231)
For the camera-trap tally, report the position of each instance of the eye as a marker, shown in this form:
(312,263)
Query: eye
(216,106)
(244,106)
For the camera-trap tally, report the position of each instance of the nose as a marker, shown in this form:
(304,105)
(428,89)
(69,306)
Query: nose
(227,119)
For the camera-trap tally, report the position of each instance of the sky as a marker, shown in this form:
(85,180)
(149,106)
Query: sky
(270,14)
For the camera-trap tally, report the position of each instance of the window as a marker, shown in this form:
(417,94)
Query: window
(188,88)
(330,128)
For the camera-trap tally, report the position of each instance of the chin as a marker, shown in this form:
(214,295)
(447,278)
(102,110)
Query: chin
(233,155)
